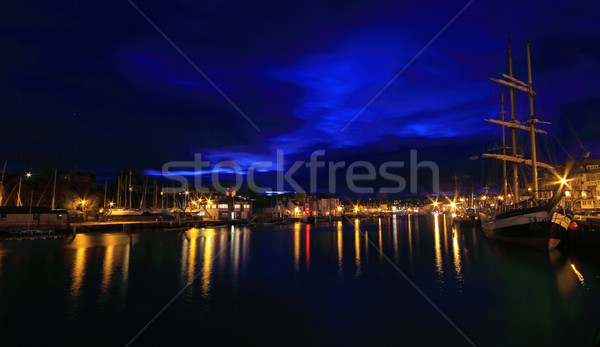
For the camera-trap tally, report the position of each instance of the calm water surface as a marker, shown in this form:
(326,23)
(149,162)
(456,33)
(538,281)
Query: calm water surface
(303,284)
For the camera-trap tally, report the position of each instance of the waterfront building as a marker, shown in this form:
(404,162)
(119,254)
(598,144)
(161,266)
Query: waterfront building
(583,192)
(232,209)
(36,217)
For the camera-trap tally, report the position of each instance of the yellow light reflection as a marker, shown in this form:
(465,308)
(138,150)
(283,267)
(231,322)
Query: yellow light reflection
(410,245)
(357,247)
(445,236)
(340,253)
(380,240)
(297,246)
(107,266)
(191,258)
(125,269)
(438,250)
(78,271)
(395,235)
(579,275)
(236,252)
(207,264)
(456,252)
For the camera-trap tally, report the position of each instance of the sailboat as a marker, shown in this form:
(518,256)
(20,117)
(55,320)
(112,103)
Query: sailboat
(534,222)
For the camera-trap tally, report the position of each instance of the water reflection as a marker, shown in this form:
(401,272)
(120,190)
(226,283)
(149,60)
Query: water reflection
(235,250)
(357,246)
(297,246)
(208,259)
(78,271)
(395,226)
(579,275)
(191,258)
(410,243)
(456,253)
(380,243)
(340,252)
(438,250)
(107,266)
(307,247)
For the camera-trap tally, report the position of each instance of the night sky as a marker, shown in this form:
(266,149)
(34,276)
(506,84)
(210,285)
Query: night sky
(94,84)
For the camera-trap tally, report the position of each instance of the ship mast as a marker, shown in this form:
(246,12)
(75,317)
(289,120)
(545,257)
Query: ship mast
(514,125)
(513,131)
(504,180)
(531,122)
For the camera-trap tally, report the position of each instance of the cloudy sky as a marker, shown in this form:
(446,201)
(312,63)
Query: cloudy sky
(98,86)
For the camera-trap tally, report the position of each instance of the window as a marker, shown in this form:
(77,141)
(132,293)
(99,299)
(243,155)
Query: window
(247,206)
(237,206)
(222,205)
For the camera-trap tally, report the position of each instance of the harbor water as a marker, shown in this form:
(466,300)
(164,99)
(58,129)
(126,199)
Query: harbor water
(415,280)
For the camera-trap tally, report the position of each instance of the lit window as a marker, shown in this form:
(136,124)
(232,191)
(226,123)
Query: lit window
(222,205)
(237,206)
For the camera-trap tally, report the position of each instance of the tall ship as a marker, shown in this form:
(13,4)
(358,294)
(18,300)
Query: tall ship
(529,221)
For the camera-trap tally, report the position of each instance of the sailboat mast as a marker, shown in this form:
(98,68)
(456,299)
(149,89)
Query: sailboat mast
(513,131)
(532,122)
(19,203)
(504,175)
(125,187)
(130,188)
(118,191)
(54,190)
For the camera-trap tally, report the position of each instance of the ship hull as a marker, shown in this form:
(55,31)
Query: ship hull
(533,228)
